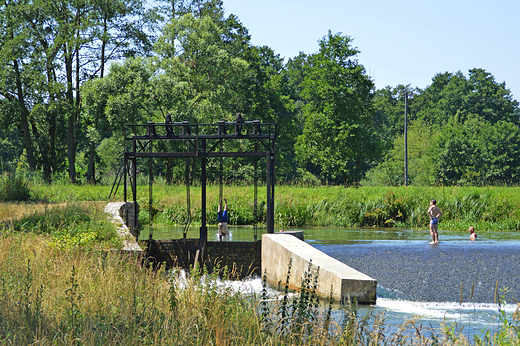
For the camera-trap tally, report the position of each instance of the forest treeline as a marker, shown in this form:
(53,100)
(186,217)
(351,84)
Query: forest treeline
(74,72)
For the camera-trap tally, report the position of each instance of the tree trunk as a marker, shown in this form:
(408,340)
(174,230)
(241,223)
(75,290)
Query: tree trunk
(91,171)
(24,114)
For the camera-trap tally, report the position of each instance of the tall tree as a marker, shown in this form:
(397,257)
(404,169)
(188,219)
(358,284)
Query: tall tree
(53,49)
(338,138)
(202,75)
(454,95)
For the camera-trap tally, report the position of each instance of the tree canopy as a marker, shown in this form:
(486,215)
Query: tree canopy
(74,72)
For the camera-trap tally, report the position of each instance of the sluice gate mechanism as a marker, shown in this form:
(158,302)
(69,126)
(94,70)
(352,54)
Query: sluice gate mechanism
(195,144)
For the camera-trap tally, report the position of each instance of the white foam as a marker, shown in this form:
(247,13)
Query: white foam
(441,310)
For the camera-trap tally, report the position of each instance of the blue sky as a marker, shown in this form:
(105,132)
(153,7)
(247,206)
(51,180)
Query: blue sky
(400,41)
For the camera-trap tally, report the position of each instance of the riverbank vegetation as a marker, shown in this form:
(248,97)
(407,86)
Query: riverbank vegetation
(485,208)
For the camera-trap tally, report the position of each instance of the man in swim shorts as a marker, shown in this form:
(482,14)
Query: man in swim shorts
(222,218)
(434,212)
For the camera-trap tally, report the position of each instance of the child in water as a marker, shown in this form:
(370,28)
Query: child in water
(472,234)
(222,218)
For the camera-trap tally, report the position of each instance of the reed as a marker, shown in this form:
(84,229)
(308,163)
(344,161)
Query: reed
(486,208)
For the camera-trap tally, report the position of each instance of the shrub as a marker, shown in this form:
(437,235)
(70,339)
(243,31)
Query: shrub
(13,188)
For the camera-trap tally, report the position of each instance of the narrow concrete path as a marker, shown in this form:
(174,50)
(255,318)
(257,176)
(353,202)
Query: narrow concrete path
(113,209)
(422,272)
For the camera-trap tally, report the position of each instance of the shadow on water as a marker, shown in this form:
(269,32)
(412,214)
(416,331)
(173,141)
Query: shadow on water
(457,281)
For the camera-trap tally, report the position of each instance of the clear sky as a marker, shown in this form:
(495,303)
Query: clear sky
(400,41)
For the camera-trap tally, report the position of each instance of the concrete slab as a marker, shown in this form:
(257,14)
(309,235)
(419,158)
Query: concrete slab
(114,210)
(345,283)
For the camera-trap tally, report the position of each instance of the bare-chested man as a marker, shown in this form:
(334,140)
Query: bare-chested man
(434,212)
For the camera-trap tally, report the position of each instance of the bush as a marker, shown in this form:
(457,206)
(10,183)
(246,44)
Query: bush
(13,188)
(72,225)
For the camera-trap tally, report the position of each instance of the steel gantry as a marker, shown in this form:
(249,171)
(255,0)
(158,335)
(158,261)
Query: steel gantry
(201,141)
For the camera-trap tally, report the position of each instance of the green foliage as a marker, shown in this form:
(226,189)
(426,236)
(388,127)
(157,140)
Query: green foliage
(478,152)
(338,138)
(110,154)
(14,188)
(71,226)
(422,164)
(11,148)
(332,126)
(464,131)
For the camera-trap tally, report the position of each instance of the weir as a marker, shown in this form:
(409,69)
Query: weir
(271,256)
(335,278)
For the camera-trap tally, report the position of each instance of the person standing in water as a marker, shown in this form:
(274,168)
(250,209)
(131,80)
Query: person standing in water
(472,234)
(434,212)
(222,218)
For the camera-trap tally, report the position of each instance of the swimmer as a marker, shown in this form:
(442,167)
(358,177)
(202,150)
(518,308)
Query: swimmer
(222,218)
(472,234)
(434,212)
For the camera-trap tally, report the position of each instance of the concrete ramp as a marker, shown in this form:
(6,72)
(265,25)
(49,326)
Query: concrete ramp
(347,283)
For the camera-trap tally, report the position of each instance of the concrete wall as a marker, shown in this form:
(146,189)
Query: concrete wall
(117,211)
(241,258)
(279,249)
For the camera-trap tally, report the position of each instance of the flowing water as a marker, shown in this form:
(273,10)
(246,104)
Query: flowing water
(456,283)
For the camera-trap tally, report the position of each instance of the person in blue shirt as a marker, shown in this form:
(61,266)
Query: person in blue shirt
(223,218)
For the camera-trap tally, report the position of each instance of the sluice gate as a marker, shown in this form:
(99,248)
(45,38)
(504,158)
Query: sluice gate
(271,256)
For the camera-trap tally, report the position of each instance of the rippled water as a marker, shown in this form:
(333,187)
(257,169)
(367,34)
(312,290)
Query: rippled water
(471,318)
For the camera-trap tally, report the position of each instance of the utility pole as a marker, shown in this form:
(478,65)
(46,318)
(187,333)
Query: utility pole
(406,94)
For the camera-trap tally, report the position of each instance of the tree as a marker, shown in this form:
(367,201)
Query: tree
(478,152)
(52,49)
(201,79)
(453,95)
(422,157)
(338,138)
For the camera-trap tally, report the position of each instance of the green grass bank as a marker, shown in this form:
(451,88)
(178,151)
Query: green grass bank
(485,208)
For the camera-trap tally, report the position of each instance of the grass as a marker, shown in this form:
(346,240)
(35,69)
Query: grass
(56,297)
(485,208)
(82,292)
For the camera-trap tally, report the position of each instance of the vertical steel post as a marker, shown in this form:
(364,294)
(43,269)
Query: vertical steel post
(150,193)
(134,189)
(270,192)
(203,227)
(125,162)
(405,139)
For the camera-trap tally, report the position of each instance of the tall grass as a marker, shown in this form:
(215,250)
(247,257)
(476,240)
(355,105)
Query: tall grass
(51,297)
(486,208)
(13,188)
(69,225)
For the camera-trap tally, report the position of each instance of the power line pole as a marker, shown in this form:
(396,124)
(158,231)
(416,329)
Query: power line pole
(406,94)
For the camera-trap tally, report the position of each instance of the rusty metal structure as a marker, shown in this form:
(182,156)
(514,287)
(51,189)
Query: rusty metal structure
(200,142)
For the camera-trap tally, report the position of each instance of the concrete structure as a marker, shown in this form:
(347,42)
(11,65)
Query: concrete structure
(121,214)
(279,249)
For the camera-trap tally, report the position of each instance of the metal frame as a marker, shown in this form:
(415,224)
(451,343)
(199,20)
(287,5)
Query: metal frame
(204,140)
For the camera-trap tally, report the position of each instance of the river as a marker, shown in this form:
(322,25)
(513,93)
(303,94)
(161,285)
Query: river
(457,282)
